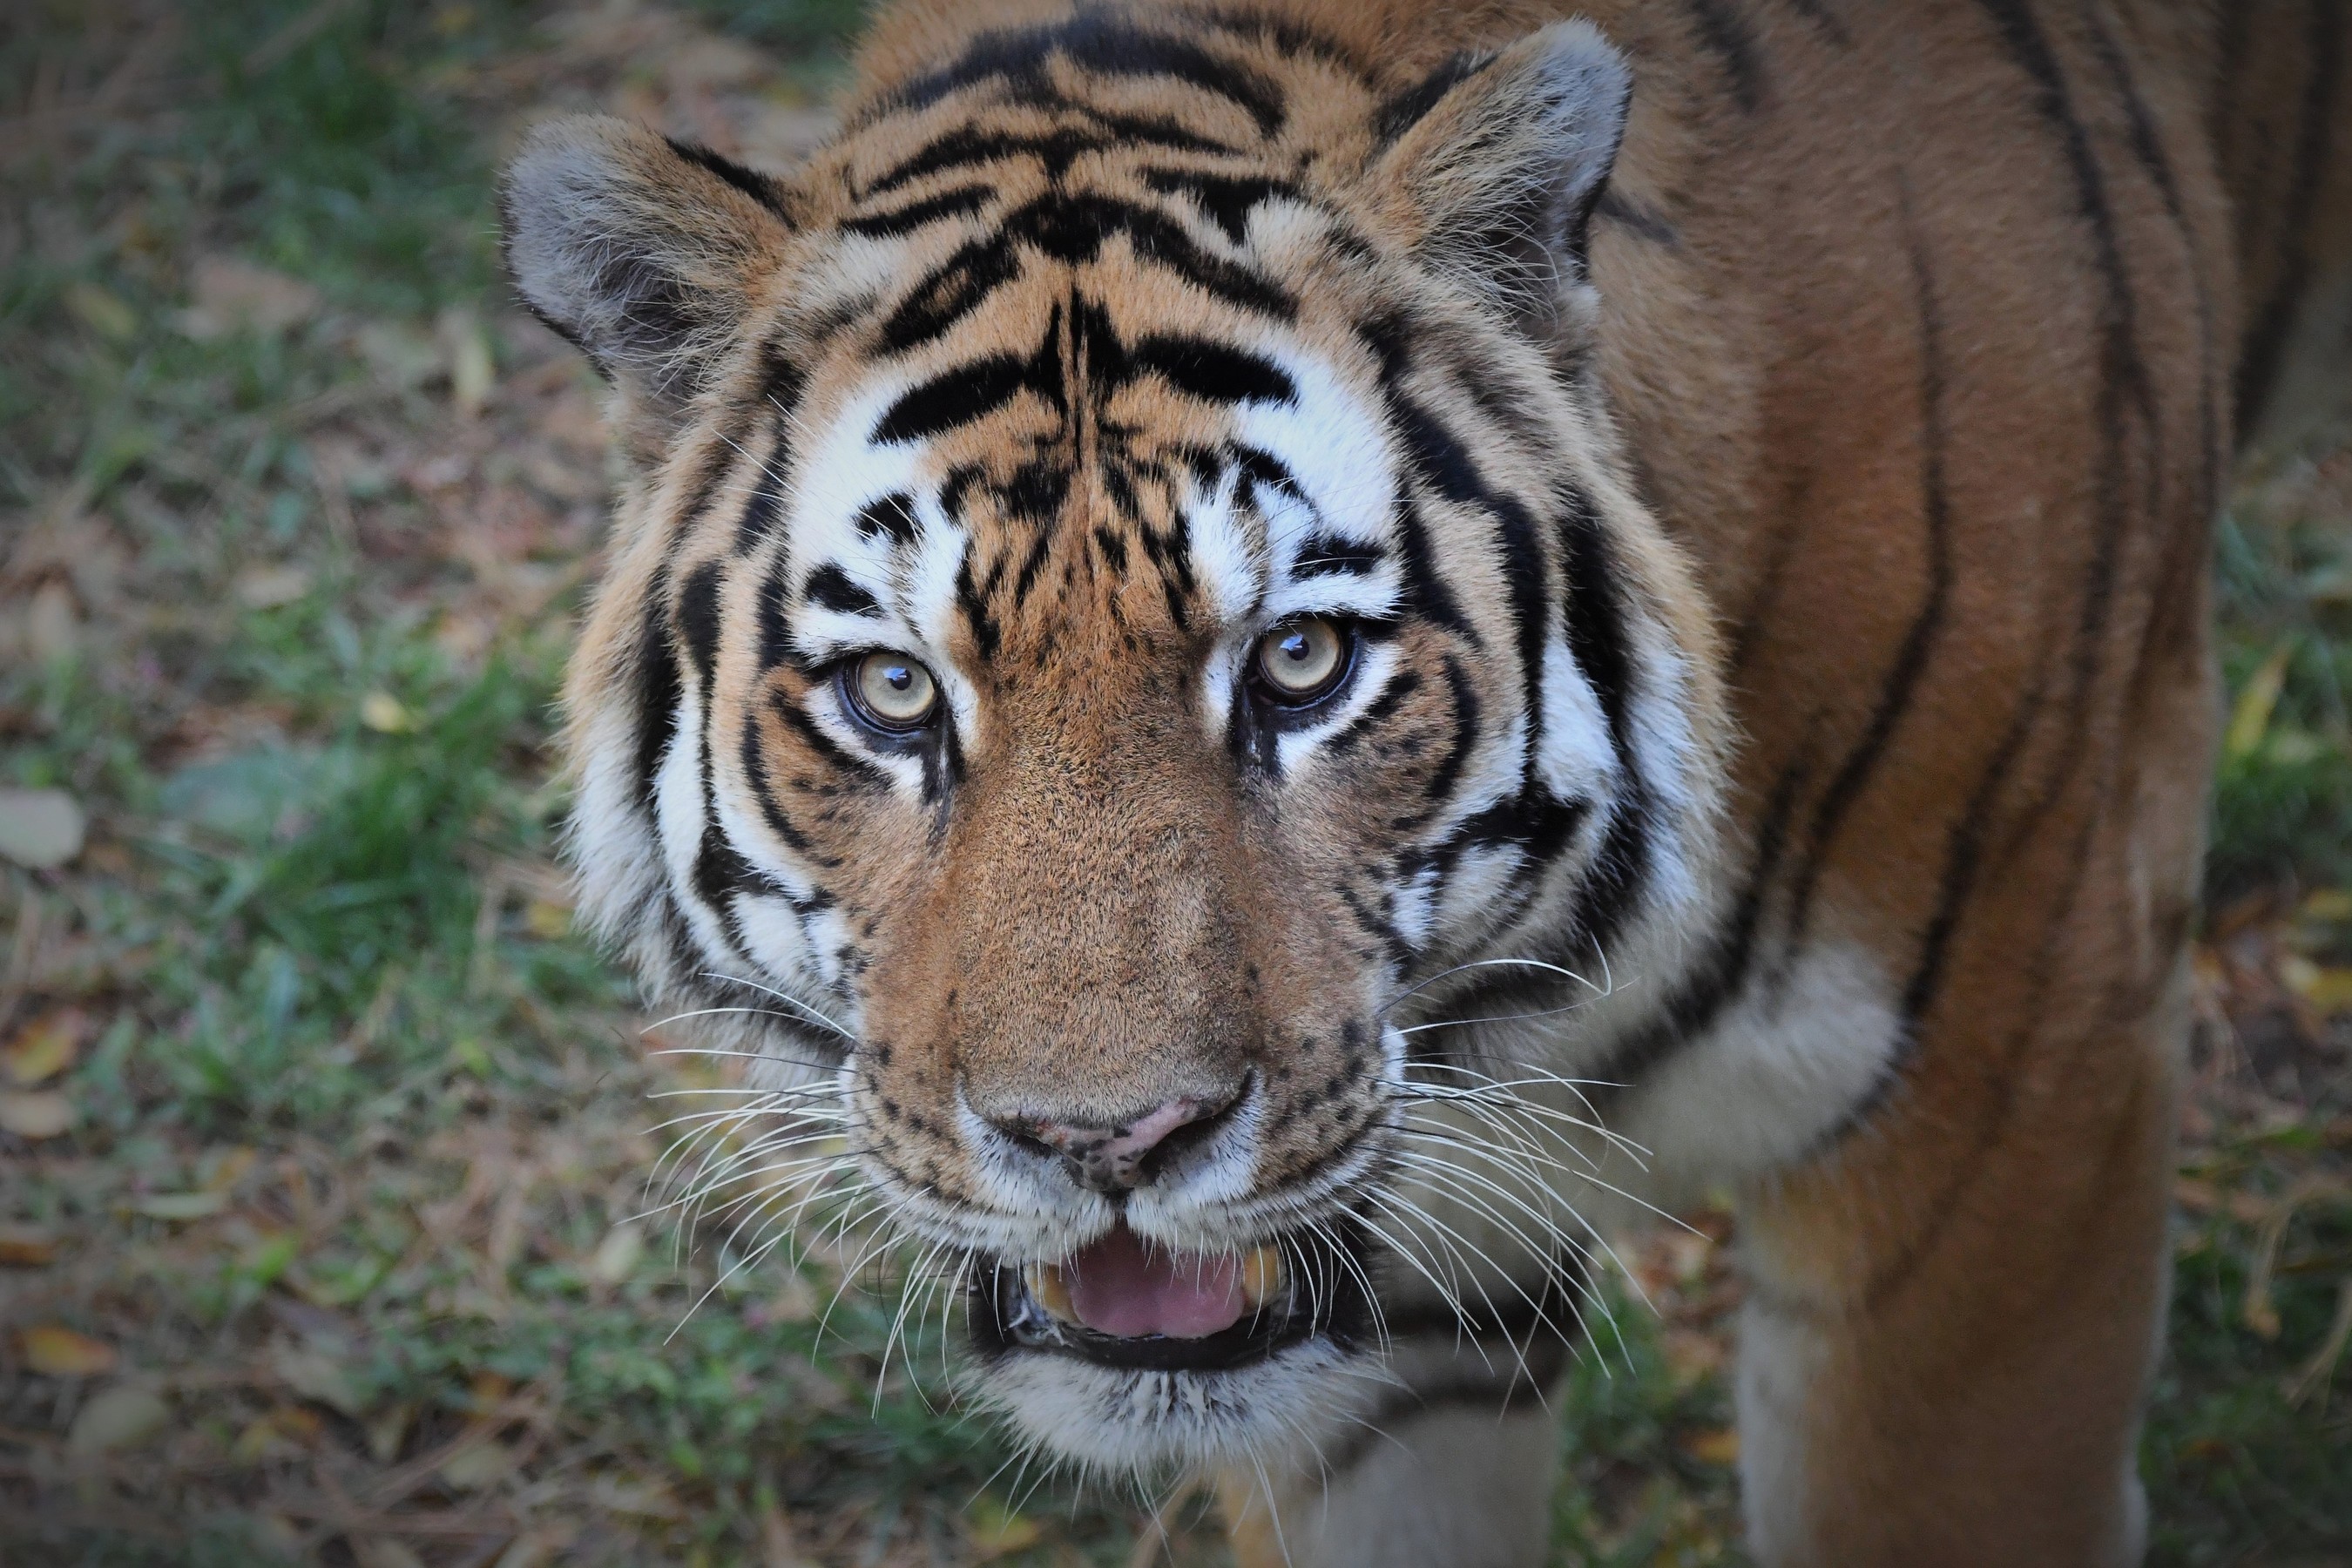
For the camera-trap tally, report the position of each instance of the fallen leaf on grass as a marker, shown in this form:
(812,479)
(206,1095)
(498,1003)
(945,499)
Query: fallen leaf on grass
(237,296)
(40,828)
(101,312)
(646,1500)
(26,1247)
(222,1169)
(994,1530)
(2328,988)
(118,1417)
(617,1254)
(472,1468)
(179,1206)
(314,1374)
(45,1047)
(58,1351)
(385,714)
(383,1552)
(267,587)
(44,1113)
(284,1431)
(1716,1446)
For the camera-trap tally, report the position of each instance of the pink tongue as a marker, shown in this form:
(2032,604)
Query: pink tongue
(1119,1287)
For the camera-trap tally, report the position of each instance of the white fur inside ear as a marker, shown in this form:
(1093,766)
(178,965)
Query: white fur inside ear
(1505,166)
(639,254)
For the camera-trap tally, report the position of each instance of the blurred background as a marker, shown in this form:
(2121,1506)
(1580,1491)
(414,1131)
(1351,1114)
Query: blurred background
(324,1142)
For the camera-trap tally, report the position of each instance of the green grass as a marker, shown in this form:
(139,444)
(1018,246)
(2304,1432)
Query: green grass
(360,1124)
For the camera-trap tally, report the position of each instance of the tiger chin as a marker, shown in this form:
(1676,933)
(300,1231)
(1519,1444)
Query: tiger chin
(1288,660)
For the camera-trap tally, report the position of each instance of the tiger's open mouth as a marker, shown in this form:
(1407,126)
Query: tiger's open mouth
(1120,1302)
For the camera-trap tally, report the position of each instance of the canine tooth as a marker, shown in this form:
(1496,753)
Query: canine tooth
(1262,1276)
(1050,1289)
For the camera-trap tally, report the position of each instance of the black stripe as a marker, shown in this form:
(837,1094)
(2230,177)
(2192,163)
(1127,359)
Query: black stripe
(948,293)
(1711,985)
(755,773)
(2122,377)
(964,147)
(974,605)
(1106,44)
(1817,12)
(832,588)
(1329,555)
(914,214)
(1227,199)
(1073,226)
(1648,224)
(893,515)
(696,616)
(955,398)
(1725,34)
(658,689)
(1402,112)
(2265,342)
(1927,626)
(1214,372)
(750,181)
(1378,711)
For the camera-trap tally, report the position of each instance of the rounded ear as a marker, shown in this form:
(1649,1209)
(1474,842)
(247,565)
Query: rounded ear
(1498,160)
(643,251)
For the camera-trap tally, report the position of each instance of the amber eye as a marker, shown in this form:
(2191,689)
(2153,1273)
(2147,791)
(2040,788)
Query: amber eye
(891,691)
(1301,662)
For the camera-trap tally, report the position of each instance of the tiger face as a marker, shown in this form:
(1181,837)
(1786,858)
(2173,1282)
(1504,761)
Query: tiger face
(1126,594)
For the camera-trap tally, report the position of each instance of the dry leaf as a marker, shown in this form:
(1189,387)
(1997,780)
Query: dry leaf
(26,1247)
(384,713)
(45,1047)
(645,1498)
(58,1351)
(234,296)
(470,1469)
(314,1374)
(383,1552)
(994,1530)
(41,1114)
(1716,1446)
(617,1254)
(52,622)
(179,1206)
(118,1417)
(41,828)
(2249,717)
(266,587)
(287,1429)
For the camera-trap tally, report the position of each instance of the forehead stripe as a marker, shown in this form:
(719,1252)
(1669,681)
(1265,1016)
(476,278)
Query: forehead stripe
(1105,45)
(958,397)
(914,214)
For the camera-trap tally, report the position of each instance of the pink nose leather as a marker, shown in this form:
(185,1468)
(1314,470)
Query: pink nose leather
(1110,1158)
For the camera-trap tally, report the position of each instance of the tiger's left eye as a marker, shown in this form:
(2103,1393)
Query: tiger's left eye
(892,692)
(1302,662)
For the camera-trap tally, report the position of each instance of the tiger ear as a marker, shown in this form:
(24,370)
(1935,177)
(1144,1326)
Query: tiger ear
(645,252)
(1498,159)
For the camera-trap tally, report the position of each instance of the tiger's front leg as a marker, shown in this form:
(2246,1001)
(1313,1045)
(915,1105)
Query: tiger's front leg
(1952,1317)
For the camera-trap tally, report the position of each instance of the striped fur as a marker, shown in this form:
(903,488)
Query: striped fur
(1903,348)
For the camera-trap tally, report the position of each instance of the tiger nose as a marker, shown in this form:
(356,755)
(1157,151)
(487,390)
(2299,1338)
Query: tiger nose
(1116,1160)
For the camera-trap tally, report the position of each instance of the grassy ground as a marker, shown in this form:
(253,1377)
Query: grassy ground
(320,1134)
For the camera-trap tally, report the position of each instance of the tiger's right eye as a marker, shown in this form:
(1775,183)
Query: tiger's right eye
(893,693)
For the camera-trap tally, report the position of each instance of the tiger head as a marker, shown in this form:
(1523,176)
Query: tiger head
(1126,591)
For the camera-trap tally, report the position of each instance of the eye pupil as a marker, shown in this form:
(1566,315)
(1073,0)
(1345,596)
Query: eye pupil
(891,692)
(1302,663)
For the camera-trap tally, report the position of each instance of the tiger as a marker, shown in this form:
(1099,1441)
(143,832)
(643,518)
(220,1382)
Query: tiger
(1292,659)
